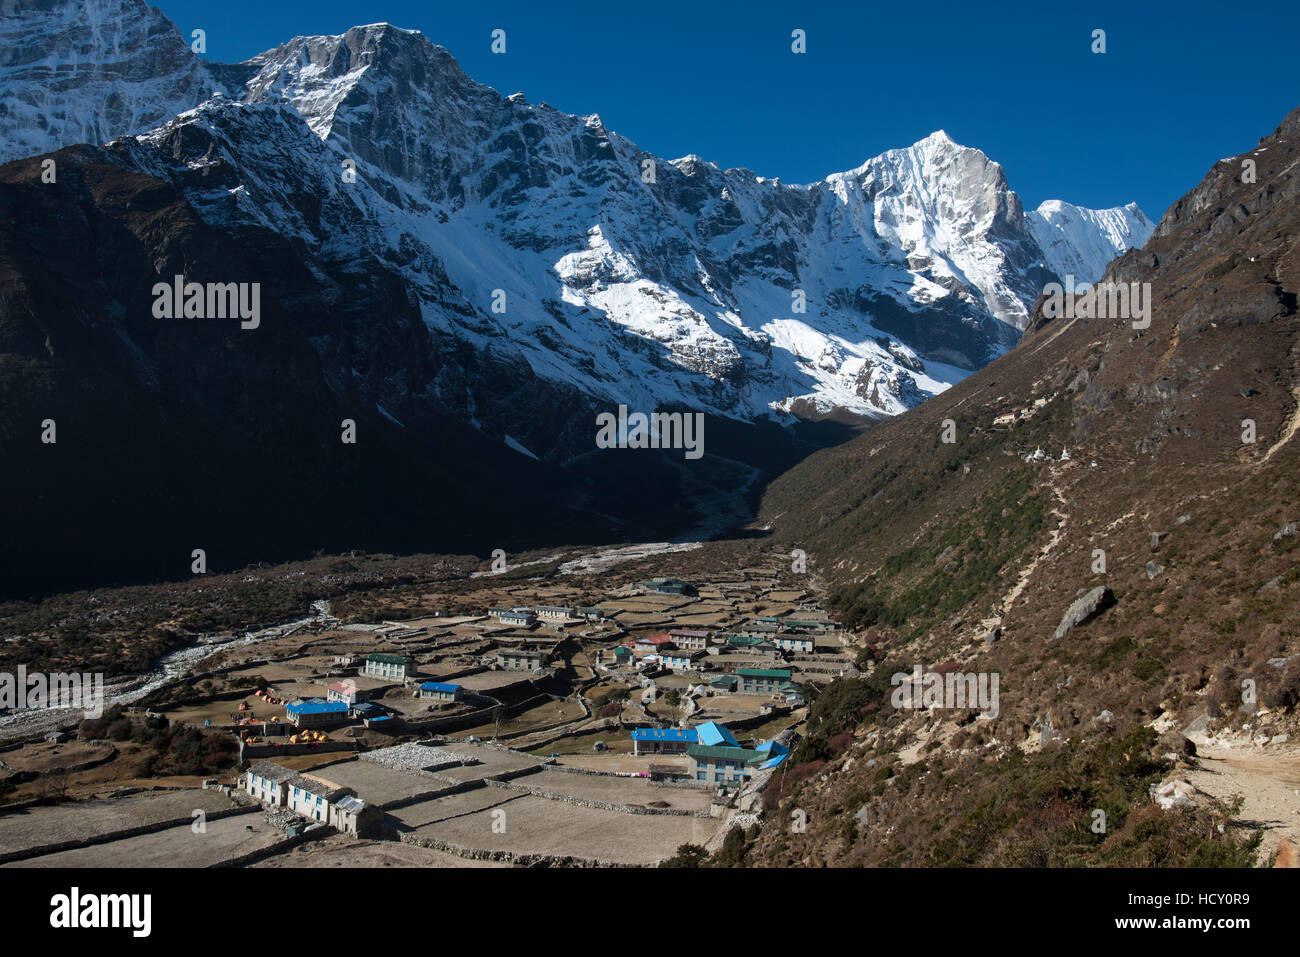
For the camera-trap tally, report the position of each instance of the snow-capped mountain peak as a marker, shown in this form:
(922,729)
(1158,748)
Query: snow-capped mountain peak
(1080,242)
(90,71)
(537,237)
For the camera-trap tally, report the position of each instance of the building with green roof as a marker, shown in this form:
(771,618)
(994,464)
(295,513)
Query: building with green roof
(723,765)
(761,680)
(382,665)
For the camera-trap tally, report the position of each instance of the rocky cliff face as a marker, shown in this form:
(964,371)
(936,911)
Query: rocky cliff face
(90,71)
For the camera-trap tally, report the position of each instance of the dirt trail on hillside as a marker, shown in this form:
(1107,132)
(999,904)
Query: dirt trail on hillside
(1288,431)
(1022,580)
(1268,779)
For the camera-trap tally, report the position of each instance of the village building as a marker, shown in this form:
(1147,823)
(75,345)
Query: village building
(266,782)
(351,815)
(690,640)
(590,613)
(439,691)
(761,680)
(723,765)
(790,694)
(381,665)
(553,612)
(711,733)
(723,684)
(312,797)
(754,645)
(718,757)
(775,753)
(520,659)
(663,740)
(519,617)
(667,586)
(681,660)
(818,626)
(316,713)
(795,644)
(658,642)
(346,692)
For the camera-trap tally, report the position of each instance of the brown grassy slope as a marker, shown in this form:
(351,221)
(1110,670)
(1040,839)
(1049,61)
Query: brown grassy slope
(926,541)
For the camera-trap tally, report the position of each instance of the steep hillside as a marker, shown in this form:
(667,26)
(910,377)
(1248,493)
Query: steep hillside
(197,433)
(967,556)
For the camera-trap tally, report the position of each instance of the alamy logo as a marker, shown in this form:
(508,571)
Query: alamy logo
(954,690)
(1101,300)
(37,690)
(75,909)
(212,300)
(659,430)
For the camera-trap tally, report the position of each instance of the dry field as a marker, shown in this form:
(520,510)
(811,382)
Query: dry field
(175,847)
(80,819)
(491,761)
(535,825)
(44,757)
(415,816)
(617,741)
(633,792)
(340,851)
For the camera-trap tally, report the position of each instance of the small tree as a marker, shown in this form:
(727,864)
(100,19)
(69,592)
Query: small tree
(688,855)
(56,785)
(673,699)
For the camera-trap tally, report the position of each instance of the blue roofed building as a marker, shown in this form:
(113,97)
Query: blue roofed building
(774,753)
(663,740)
(718,758)
(439,691)
(720,764)
(316,713)
(711,734)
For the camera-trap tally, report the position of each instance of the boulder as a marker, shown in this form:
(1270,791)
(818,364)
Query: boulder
(1199,725)
(1174,792)
(1085,608)
(1178,744)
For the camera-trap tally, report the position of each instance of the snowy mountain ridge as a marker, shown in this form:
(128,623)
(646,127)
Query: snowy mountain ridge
(1080,242)
(542,239)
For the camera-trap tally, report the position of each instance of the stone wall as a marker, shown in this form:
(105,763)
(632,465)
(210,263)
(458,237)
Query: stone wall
(106,838)
(510,857)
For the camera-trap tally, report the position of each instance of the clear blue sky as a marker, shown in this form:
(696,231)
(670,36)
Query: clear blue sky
(1181,85)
